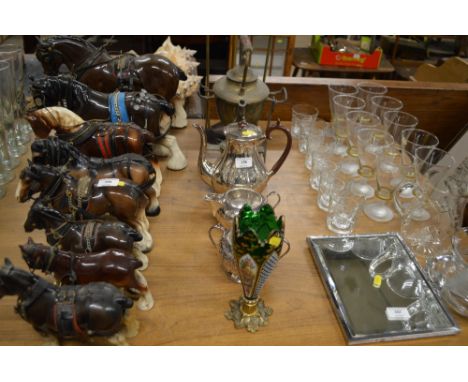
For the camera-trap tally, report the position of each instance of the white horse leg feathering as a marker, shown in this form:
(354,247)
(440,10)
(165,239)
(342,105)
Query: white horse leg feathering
(177,161)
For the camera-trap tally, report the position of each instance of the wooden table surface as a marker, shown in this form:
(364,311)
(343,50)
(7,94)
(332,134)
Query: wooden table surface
(304,59)
(191,292)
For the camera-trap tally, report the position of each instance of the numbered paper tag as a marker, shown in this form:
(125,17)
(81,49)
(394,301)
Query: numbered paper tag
(108,182)
(244,162)
(397,314)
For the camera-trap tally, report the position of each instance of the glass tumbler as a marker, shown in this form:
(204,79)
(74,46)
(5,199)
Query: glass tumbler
(381,104)
(330,184)
(322,162)
(315,140)
(302,112)
(342,212)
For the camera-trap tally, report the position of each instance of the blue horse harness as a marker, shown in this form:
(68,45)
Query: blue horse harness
(117,108)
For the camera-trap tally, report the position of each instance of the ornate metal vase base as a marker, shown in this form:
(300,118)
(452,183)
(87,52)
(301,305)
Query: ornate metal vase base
(248,314)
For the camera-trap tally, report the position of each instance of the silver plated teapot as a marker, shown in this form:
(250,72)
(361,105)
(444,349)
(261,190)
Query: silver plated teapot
(241,163)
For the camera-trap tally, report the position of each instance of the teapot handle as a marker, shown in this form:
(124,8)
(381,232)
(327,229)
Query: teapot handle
(286,150)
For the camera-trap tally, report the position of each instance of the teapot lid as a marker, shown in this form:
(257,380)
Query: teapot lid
(228,87)
(243,130)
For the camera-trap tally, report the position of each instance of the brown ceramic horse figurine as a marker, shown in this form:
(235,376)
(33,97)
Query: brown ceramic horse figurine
(96,68)
(87,198)
(84,235)
(58,153)
(78,312)
(96,138)
(114,266)
(147,111)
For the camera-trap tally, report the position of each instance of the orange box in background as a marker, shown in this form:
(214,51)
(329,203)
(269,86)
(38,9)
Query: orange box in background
(325,56)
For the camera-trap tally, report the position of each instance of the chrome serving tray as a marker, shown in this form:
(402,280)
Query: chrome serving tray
(378,290)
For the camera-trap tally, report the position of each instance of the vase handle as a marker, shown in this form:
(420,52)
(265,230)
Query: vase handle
(287,251)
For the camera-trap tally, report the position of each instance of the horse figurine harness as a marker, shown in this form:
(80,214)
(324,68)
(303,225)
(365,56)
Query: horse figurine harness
(64,317)
(106,138)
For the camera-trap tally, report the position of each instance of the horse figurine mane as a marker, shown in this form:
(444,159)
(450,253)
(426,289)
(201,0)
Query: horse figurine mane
(58,116)
(55,39)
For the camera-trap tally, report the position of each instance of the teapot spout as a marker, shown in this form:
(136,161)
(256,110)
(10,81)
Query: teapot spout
(206,168)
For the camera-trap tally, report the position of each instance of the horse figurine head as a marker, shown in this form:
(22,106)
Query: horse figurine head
(35,178)
(53,151)
(56,118)
(47,91)
(50,58)
(14,281)
(58,50)
(40,217)
(37,256)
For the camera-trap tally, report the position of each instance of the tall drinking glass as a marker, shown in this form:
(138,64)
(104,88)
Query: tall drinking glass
(23,127)
(389,173)
(7,160)
(397,121)
(381,104)
(342,105)
(412,139)
(371,143)
(334,90)
(9,53)
(355,121)
(369,89)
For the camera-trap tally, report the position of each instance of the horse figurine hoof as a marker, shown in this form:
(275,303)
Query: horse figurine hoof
(178,161)
(160,150)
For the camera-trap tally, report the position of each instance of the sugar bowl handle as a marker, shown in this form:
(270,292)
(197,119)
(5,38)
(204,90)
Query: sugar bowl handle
(278,198)
(286,150)
(210,234)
